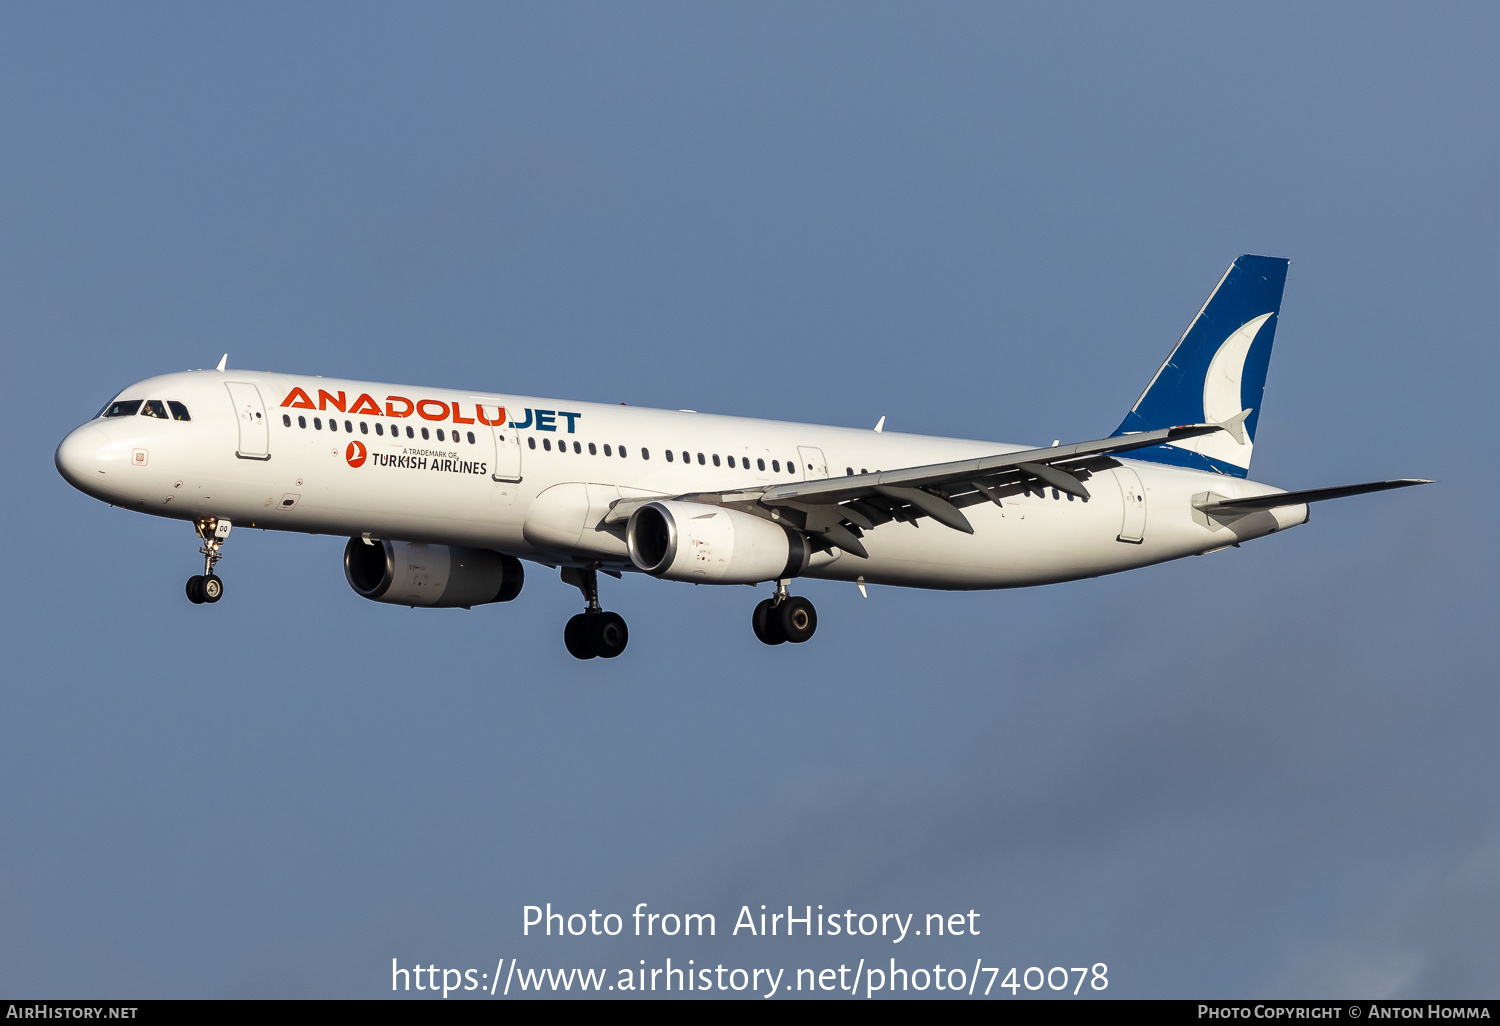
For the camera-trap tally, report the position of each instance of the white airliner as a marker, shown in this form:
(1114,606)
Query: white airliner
(442,493)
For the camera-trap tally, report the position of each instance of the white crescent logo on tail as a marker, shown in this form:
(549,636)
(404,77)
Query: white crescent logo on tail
(1222,399)
(1221,387)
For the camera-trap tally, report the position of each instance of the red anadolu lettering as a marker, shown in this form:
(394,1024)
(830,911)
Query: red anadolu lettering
(397,406)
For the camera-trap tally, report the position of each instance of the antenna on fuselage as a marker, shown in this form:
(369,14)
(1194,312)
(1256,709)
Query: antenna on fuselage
(881,425)
(222,361)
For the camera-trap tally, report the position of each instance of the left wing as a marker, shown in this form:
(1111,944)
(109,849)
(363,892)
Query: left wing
(833,511)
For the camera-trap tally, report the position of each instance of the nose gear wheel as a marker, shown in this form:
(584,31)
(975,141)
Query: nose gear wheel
(207,586)
(203,588)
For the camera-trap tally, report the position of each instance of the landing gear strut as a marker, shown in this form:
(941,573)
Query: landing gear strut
(206,587)
(595,631)
(784,617)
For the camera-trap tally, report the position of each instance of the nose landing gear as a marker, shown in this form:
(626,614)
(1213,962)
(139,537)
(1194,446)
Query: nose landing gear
(784,618)
(595,631)
(207,587)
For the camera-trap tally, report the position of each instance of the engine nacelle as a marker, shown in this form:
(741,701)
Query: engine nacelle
(693,541)
(414,574)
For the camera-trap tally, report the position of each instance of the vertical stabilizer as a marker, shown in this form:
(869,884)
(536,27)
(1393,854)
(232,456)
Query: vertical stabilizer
(1216,374)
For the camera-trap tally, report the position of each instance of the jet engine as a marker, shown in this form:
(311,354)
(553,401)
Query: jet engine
(414,574)
(693,541)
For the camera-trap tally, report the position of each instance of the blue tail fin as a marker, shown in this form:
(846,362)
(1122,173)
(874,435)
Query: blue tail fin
(1217,372)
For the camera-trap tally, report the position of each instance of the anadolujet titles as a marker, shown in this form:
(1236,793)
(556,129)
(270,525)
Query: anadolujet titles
(443,494)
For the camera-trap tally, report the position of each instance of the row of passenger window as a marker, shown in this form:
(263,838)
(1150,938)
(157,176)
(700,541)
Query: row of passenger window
(169,410)
(159,409)
(562,445)
(364,428)
(743,461)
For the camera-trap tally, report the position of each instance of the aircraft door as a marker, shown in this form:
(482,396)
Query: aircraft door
(507,452)
(250,412)
(1133,495)
(814,466)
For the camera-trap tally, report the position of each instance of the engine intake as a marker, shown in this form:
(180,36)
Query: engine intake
(416,574)
(693,541)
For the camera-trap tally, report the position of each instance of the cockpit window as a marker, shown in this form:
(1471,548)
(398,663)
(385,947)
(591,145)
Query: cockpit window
(123,408)
(179,411)
(154,408)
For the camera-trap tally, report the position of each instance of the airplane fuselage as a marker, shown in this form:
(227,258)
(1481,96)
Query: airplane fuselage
(535,478)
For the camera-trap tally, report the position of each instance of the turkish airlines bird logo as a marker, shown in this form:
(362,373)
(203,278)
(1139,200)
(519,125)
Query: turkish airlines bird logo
(356,454)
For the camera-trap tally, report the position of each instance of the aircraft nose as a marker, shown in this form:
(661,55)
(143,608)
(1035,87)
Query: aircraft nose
(81,458)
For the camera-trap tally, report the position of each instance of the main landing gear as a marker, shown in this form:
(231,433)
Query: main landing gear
(784,617)
(593,632)
(206,587)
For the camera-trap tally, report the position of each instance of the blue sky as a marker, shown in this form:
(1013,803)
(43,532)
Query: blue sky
(1270,771)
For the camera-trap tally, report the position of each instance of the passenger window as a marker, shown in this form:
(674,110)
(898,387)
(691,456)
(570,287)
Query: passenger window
(862,470)
(364,428)
(154,408)
(686,458)
(849,471)
(592,450)
(333,425)
(349,427)
(318,423)
(775,465)
(471,437)
(623,453)
(700,459)
(547,444)
(761,464)
(578,449)
(730,459)
(425,435)
(790,469)
(379,430)
(179,411)
(607,451)
(302,422)
(646,454)
(123,408)
(531,441)
(410,435)
(440,435)
(716,459)
(669,455)
(286,420)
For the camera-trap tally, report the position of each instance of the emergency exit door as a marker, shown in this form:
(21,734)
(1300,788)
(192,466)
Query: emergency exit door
(814,467)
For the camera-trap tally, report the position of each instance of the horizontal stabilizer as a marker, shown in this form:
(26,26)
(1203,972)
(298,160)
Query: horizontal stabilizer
(1257,502)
